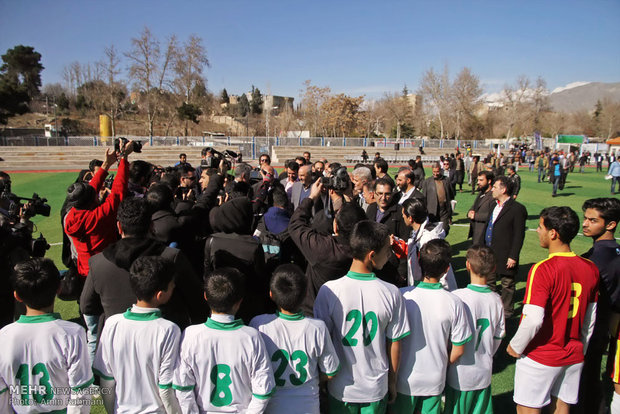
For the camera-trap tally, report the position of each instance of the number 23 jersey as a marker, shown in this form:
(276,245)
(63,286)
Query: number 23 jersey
(563,285)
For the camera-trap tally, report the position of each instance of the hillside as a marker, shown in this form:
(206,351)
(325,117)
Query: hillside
(584,96)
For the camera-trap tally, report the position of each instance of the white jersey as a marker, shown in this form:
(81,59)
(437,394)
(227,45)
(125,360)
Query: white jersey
(485,313)
(298,347)
(436,317)
(43,359)
(221,366)
(138,349)
(361,312)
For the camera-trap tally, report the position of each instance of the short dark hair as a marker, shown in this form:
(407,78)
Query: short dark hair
(489,175)
(223,288)
(381,164)
(292,165)
(94,163)
(435,258)
(563,219)
(266,156)
(182,155)
(384,182)
(280,199)
(506,183)
(149,275)
(511,168)
(607,207)
(302,159)
(416,209)
(316,162)
(36,282)
(368,236)
(482,260)
(139,170)
(134,217)
(288,287)
(346,218)
(159,197)
(171,179)
(185,169)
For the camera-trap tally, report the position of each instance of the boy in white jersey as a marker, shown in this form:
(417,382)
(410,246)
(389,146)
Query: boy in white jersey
(299,347)
(366,320)
(436,317)
(223,365)
(138,349)
(469,379)
(44,363)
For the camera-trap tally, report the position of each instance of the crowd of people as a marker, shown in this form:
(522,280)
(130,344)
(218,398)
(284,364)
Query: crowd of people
(232,288)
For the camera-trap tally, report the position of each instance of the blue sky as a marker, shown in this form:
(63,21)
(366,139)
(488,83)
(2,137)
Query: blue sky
(361,47)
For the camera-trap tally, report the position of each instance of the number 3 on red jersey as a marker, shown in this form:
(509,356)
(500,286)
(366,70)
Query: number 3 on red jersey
(574,299)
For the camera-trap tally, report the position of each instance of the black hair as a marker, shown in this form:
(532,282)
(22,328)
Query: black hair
(223,288)
(94,163)
(266,156)
(182,155)
(80,195)
(288,287)
(139,170)
(368,236)
(334,166)
(607,207)
(134,217)
(482,260)
(302,159)
(506,183)
(159,197)
(149,275)
(409,175)
(203,152)
(239,189)
(489,176)
(292,165)
(435,258)
(280,199)
(185,169)
(346,218)
(416,209)
(171,179)
(381,164)
(563,220)
(36,282)
(384,182)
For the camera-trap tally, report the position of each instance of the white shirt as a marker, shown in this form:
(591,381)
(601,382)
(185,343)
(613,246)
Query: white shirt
(138,344)
(436,317)
(406,196)
(298,348)
(485,314)
(223,367)
(498,209)
(361,312)
(40,355)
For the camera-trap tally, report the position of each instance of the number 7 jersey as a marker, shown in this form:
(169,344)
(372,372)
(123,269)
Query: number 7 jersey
(563,285)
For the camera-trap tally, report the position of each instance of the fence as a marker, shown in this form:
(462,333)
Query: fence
(255,145)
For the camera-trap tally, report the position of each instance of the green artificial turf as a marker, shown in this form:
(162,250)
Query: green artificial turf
(535,196)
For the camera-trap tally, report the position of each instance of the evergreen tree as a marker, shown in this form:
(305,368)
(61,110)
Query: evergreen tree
(243,107)
(224,99)
(256,105)
(20,80)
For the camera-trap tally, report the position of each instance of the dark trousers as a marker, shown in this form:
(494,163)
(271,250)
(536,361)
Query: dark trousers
(507,293)
(542,173)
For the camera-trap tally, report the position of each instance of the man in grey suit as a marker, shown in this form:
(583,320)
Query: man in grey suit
(439,193)
(301,189)
(481,209)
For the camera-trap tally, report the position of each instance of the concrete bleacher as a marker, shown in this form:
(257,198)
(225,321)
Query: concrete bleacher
(77,158)
(352,155)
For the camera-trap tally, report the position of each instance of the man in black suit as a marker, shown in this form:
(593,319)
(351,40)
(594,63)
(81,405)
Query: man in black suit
(504,233)
(481,209)
(405,181)
(439,194)
(387,211)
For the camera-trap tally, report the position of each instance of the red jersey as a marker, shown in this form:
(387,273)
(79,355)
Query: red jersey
(564,285)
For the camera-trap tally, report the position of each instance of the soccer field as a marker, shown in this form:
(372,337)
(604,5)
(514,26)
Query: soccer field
(535,196)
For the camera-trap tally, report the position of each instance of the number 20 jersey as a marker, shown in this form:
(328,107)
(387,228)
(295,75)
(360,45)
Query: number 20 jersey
(564,285)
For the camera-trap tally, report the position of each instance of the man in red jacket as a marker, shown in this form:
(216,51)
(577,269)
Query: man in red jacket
(91,226)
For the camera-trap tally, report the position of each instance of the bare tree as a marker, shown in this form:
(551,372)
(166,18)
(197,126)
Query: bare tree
(149,71)
(397,110)
(115,90)
(435,90)
(540,102)
(515,98)
(312,99)
(610,118)
(466,92)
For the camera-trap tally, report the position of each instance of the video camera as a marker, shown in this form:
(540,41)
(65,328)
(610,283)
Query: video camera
(120,143)
(339,181)
(214,160)
(33,206)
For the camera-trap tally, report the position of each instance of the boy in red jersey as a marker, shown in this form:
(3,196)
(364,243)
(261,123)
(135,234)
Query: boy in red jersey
(558,318)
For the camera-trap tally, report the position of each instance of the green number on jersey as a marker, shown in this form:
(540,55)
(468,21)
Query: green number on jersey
(483,324)
(368,334)
(221,394)
(300,367)
(23,376)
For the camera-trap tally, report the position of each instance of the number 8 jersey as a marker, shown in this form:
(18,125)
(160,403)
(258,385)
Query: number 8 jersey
(563,285)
